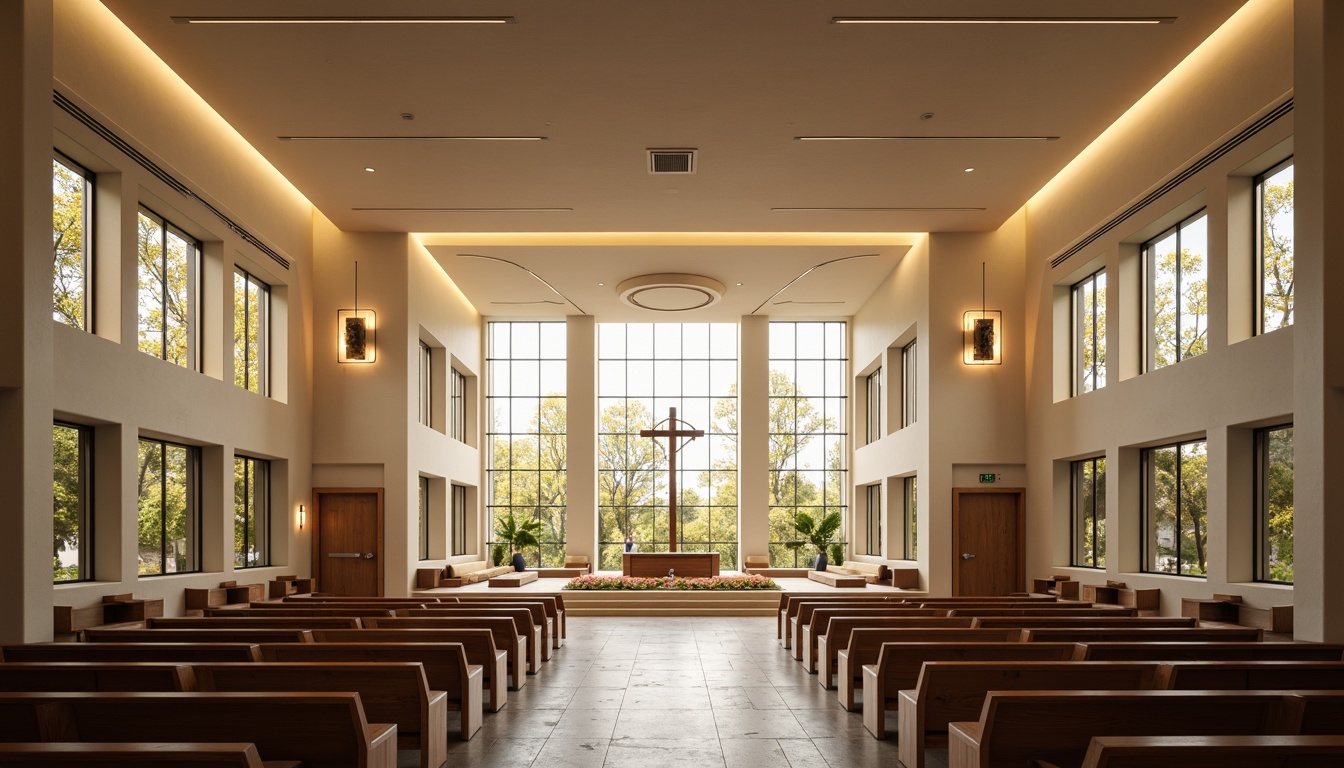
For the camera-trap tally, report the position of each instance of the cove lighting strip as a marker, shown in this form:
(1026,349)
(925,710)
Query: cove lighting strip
(880,210)
(413,138)
(925,138)
(1126,20)
(465,210)
(344,20)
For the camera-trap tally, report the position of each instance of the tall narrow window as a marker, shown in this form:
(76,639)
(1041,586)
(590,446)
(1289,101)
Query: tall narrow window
(873,391)
(426,385)
(457,429)
(911,518)
(909,384)
(71,487)
(71,242)
(251,332)
(1089,333)
(459,513)
(423,526)
(1088,502)
(1274,245)
(251,512)
(808,468)
(169,262)
(643,370)
(1177,279)
(527,433)
(168,490)
(1274,504)
(1175,498)
(872,538)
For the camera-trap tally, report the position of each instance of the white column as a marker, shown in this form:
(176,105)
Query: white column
(581,423)
(753,439)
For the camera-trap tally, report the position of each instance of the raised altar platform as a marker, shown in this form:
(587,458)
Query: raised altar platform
(657,564)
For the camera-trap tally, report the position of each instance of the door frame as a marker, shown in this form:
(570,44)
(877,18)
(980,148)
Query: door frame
(318,493)
(1021,494)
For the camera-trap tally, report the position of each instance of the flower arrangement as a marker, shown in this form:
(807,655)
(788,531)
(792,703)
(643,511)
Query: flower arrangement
(595,582)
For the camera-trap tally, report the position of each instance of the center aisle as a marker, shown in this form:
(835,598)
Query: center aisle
(651,692)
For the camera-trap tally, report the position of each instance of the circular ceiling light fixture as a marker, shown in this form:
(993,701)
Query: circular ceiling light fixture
(670,292)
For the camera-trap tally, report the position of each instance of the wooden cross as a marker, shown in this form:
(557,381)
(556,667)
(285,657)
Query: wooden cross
(672,432)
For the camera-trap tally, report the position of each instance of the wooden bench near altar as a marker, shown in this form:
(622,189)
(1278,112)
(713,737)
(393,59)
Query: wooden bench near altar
(657,564)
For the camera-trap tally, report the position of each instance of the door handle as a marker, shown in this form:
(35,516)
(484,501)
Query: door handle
(343,554)
(966,556)
(368,555)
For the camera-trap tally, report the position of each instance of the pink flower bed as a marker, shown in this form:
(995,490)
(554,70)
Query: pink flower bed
(639,583)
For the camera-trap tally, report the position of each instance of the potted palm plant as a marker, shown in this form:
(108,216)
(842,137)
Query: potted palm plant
(518,535)
(816,534)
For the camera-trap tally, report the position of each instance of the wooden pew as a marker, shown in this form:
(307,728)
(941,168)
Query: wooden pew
(391,692)
(838,630)
(1049,609)
(820,618)
(789,604)
(212,635)
(504,628)
(255,622)
(1254,675)
(553,603)
(1142,635)
(1323,712)
(343,605)
(175,754)
(479,645)
(898,666)
(865,644)
(1210,651)
(949,691)
(1215,752)
(96,676)
(1029,622)
(1017,727)
(322,730)
(293,609)
(184,652)
(823,618)
(446,669)
(538,642)
(321,598)
(806,609)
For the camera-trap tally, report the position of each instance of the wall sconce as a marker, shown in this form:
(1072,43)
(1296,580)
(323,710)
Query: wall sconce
(355,331)
(982,332)
(303,516)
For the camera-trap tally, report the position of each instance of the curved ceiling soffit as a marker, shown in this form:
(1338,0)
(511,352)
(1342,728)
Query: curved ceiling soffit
(535,276)
(807,272)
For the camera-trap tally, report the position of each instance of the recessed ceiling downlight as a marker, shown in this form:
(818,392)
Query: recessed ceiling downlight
(670,292)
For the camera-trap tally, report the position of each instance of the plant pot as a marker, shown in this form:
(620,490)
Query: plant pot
(820,563)
(519,562)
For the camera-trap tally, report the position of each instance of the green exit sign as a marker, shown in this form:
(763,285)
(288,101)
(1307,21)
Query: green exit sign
(988,477)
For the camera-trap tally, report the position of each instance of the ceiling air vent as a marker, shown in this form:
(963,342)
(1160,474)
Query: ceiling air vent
(671,161)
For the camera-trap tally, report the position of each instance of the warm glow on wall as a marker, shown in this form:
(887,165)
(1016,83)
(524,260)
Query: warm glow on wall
(303,516)
(355,331)
(982,337)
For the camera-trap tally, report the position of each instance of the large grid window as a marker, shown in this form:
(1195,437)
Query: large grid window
(1274,246)
(459,511)
(873,397)
(871,541)
(1176,275)
(457,402)
(423,522)
(1089,333)
(71,242)
(911,517)
(426,393)
(168,489)
(1274,503)
(72,492)
(807,458)
(251,332)
(169,267)
(909,384)
(1088,506)
(251,512)
(643,370)
(1175,499)
(526,402)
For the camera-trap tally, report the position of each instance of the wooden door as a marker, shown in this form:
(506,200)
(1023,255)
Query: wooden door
(987,555)
(348,547)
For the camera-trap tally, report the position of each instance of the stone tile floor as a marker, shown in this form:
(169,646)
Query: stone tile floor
(659,692)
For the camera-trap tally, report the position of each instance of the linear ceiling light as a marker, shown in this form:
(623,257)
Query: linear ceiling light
(1003,19)
(925,138)
(413,138)
(344,20)
(466,210)
(877,210)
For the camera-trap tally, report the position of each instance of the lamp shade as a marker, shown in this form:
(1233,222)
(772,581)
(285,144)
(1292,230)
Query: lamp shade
(982,337)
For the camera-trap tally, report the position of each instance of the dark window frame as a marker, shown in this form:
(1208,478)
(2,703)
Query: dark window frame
(85,549)
(1077,314)
(263,384)
(873,520)
(423,523)
(425,414)
(1258,268)
(1078,533)
(1149,556)
(1261,489)
(88,245)
(910,517)
(910,383)
(873,396)
(256,520)
(1149,291)
(457,400)
(458,511)
(193,512)
(166,227)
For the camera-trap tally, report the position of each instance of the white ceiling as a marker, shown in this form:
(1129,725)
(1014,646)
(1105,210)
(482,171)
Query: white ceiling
(604,80)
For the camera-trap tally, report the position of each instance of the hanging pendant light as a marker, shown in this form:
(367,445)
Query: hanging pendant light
(981,332)
(355,331)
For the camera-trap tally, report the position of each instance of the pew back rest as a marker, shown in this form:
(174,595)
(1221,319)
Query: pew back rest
(135,754)
(390,691)
(211,635)
(184,652)
(445,664)
(1208,651)
(947,691)
(1254,675)
(503,628)
(522,617)
(96,676)
(1214,751)
(1034,609)
(865,643)
(1142,635)
(478,644)
(255,622)
(899,664)
(1031,622)
(822,617)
